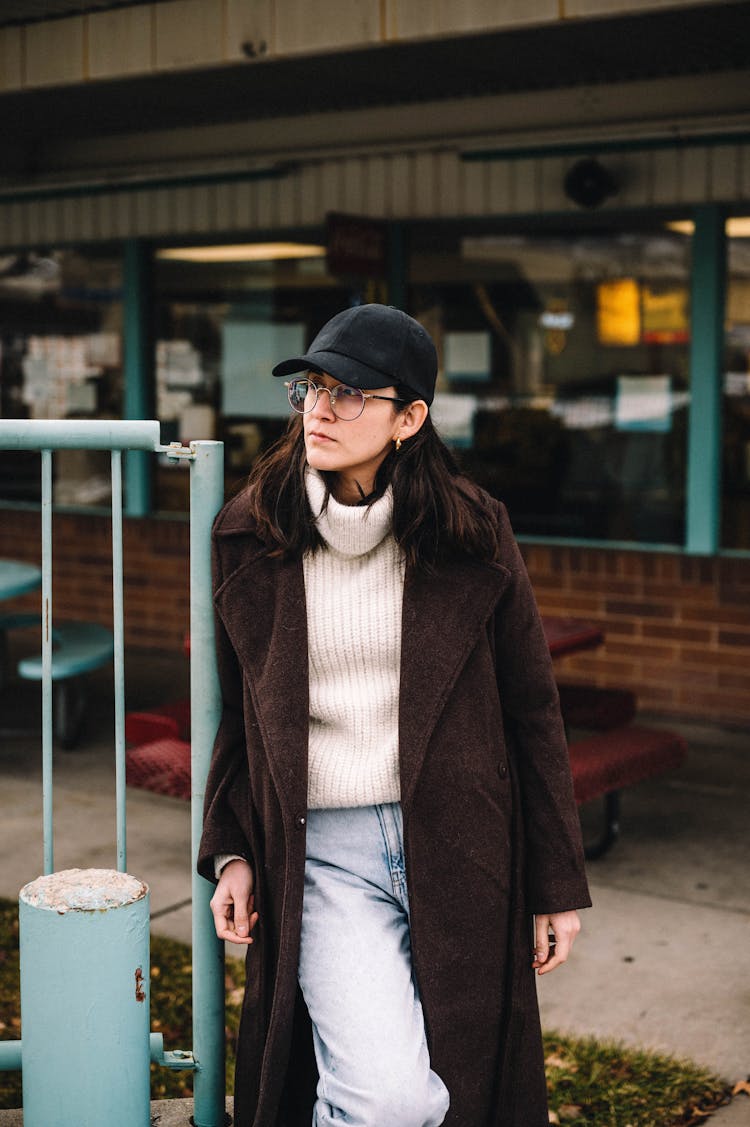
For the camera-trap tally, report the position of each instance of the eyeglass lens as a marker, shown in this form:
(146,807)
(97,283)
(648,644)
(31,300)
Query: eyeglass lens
(346,402)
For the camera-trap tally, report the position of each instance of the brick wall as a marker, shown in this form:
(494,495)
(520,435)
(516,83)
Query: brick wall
(156,570)
(677,628)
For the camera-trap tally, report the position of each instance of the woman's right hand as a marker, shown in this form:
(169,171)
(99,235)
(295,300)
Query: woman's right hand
(232,903)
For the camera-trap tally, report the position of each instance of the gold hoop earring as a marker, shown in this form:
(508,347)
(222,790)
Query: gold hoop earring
(398,445)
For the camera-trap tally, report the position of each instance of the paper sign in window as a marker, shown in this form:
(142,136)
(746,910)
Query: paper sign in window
(467,356)
(644,403)
(250,350)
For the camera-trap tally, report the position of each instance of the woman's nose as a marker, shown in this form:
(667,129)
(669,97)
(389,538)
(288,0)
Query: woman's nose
(323,408)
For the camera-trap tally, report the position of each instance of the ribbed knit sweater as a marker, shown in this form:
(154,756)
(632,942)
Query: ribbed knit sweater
(354,592)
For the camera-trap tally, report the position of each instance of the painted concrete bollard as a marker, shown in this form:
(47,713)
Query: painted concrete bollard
(84,937)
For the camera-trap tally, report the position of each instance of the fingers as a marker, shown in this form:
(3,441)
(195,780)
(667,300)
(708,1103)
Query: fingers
(232,904)
(243,920)
(541,941)
(554,938)
(234,924)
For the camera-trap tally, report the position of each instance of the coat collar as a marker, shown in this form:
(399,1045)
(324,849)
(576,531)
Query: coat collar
(262,606)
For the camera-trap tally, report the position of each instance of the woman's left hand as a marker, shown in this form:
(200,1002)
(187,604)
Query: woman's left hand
(553,939)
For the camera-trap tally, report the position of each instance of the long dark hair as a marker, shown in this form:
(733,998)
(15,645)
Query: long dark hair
(438,514)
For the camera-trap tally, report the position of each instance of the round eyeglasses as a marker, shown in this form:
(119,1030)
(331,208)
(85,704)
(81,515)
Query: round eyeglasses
(347,402)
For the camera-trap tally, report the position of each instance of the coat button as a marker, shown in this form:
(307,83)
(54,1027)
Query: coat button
(300,821)
(502,770)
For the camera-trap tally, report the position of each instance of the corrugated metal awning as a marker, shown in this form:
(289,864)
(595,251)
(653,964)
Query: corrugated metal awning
(699,39)
(30,11)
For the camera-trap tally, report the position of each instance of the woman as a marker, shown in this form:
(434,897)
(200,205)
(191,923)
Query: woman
(390,801)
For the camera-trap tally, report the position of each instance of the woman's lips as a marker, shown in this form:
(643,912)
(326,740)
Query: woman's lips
(316,436)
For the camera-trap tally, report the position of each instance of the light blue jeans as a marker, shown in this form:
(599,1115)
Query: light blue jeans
(356,975)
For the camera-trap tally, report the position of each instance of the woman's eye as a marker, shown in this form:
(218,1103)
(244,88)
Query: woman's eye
(346,392)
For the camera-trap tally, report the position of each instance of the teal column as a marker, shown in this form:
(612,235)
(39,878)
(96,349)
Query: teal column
(397,265)
(85,986)
(709,268)
(206,498)
(138,368)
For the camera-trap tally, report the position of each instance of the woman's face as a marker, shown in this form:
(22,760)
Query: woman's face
(351,448)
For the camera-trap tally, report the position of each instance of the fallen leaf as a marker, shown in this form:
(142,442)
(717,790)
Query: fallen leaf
(553,1117)
(741,1086)
(569,1111)
(554,1060)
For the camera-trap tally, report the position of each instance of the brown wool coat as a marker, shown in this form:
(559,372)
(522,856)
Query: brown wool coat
(491,829)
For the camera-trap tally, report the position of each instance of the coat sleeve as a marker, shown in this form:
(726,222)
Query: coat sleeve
(227,798)
(555,873)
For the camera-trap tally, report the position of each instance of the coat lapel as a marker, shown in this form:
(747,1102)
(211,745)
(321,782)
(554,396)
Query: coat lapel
(443,616)
(262,606)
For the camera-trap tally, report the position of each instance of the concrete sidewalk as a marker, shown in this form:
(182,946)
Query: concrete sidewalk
(659,962)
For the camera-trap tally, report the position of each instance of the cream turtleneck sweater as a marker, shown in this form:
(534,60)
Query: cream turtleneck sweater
(354,592)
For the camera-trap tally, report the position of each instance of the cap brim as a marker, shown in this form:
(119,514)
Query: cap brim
(342,368)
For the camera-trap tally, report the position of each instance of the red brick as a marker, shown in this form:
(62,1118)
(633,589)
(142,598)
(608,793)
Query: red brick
(640,650)
(734,681)
(735,639)
(639,609)
(698,634)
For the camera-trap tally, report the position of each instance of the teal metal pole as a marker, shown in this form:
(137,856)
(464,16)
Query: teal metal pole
(47,784)
(10,1055)
(703,515)
(78,434)
(138,364)
(85,1000)
(118,627)
(206,497)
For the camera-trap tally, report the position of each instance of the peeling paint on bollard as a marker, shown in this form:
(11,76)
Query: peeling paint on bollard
(140,995)
(83,890)
(86,1043)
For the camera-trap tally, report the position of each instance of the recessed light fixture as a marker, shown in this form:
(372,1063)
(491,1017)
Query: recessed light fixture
(242,252)
(737,227)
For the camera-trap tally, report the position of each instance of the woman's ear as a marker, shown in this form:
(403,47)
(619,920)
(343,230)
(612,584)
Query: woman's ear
(411,419)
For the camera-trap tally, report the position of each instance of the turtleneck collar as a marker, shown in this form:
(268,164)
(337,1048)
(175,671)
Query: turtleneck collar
(349,530)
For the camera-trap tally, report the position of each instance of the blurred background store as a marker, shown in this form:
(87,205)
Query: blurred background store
(558,191)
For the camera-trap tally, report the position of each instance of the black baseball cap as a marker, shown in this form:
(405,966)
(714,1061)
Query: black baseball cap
(371,346)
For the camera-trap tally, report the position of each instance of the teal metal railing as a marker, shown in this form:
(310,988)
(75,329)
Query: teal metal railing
(206,494)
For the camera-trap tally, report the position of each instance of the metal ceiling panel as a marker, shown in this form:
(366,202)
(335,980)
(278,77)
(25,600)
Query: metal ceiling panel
(698,40)
(31,11)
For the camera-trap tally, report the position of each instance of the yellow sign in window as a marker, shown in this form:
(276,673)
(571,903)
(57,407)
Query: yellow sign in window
(618,312)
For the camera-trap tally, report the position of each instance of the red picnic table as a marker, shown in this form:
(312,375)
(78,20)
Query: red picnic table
(568,635)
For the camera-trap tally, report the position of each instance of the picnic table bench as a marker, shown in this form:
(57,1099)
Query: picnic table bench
(604,764)
(159,761)
(616,754)
(77,648)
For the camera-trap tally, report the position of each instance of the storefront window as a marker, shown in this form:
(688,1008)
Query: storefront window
(60,358)
(225,316)
(564,373)
(736,414)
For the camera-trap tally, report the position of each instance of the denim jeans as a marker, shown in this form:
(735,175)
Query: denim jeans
(356,975)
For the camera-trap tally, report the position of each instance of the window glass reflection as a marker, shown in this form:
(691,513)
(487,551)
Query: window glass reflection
(60,358)
(564,373)
(223,320)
